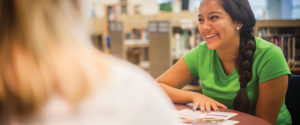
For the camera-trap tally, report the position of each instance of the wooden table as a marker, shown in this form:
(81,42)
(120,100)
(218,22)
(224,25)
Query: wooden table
(243,118)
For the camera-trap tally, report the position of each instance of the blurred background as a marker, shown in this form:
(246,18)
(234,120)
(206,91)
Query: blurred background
(154,34)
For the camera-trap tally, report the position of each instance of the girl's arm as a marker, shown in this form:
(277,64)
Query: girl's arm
(177,77)
(270,98)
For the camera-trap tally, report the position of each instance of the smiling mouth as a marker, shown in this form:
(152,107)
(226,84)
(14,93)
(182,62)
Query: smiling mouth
(210,36)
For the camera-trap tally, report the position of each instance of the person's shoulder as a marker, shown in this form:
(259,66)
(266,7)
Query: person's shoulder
(140,94)
(266,51)
(126,69)
(263,46)
(200,48)
(199,52)
(125,75)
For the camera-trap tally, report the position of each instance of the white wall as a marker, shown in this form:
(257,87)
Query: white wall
(296,9)
(148,7)
(259,8)
(286,9)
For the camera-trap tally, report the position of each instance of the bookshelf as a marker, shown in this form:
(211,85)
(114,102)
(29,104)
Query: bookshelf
(96,31)
(159,47)
(183,40)
(136,51)
(143,45)
(169,40)
(116,26)
(116,38)
(136,39)
(286,35)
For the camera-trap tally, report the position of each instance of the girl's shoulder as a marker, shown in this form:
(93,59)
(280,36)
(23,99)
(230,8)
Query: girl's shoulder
(263,47)
(262,44)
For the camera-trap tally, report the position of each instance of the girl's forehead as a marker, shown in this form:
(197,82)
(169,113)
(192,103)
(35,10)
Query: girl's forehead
(209,3)
(208,6)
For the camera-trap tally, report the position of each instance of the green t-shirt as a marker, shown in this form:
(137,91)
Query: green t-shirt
(269,63)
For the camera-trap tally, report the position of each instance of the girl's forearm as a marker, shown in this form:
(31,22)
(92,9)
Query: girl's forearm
(179,95)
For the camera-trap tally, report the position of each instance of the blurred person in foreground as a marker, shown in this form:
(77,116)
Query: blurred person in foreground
(51,74)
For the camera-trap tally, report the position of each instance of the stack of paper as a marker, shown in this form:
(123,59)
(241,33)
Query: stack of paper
(189,116)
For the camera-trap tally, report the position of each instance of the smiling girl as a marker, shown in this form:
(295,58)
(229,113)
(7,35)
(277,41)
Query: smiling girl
(237,70)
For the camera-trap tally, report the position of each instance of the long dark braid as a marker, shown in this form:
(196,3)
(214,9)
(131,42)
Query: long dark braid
(244,62)
(240,12)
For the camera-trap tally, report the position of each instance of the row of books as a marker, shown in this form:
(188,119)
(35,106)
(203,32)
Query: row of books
(290,46)
(266,31)
(137,42)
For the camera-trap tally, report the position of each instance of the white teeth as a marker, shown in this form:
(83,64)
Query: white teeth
(210,36)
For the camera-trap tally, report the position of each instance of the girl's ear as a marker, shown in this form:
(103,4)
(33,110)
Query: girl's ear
(238,26)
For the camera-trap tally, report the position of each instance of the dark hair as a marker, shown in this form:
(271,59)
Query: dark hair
(240,12)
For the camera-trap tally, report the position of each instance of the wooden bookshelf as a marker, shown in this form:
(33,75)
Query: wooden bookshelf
(97,30)
(141,58)
(159,47)
(116,34)
(275,24)
(295,69)
(138,43)
(139,22)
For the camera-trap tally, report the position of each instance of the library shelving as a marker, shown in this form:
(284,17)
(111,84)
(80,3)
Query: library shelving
(96,31)
(116,38)
(159,47)
(137,52)
(136,40)
(183,40)
(142,50)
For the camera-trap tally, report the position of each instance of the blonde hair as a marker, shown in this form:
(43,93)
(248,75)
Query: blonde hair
(44,48)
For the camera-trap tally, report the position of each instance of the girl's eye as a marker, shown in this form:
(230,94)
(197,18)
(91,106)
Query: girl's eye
(201,20)
(214,18)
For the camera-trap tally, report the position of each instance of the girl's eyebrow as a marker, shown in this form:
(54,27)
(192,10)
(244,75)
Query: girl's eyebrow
(214,12)
(210,13)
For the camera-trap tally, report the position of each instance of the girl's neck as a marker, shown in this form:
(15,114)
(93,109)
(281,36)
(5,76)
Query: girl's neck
(230,52)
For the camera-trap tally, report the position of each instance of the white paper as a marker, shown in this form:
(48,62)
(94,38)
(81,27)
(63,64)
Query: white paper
(188,113)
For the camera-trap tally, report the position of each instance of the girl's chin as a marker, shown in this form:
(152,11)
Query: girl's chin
(212,47)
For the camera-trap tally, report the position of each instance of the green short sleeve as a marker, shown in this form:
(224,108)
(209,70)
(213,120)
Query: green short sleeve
(191,61)
(272,65)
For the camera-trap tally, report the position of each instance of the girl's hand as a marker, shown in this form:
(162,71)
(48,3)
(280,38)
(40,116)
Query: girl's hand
(206,104)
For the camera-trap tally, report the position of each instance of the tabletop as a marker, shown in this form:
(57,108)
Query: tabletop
(243,118)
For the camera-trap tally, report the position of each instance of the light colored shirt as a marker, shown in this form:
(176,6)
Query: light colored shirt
(129,97)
